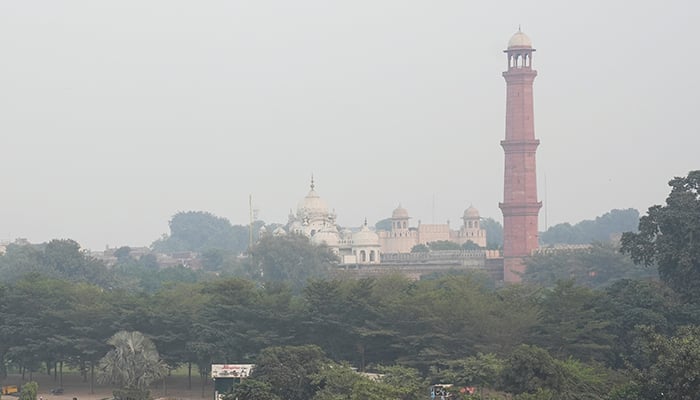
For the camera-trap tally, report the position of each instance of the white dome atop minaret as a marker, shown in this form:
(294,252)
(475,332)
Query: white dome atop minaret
(519,41)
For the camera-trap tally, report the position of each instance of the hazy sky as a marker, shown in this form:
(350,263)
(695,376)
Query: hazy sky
(115,115)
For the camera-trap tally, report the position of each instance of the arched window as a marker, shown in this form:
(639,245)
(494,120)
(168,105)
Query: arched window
(363,256)
(371,256)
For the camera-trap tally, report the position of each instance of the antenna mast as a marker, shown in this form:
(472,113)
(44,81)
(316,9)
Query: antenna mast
(250,230)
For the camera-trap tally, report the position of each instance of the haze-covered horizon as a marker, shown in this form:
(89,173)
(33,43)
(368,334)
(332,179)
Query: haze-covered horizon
(117,115)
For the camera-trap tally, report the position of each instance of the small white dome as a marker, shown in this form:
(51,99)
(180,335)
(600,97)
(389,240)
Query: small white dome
(519,40)
(365,237)
(328,235)
(471,213)
(279,232)
(399,213)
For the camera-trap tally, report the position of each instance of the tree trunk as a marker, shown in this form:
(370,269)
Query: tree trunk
(202,376)
(92,377)
(60,374)
(189,374)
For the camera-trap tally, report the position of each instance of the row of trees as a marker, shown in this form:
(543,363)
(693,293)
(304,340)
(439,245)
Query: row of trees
(426,325)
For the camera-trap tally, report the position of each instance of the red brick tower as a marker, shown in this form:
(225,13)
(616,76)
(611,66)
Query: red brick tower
(520,206)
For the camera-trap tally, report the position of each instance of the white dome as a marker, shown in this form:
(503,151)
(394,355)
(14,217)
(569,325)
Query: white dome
(312,205)
(365,237)
(399,213)
(519,40)
(279,232)
(471,213)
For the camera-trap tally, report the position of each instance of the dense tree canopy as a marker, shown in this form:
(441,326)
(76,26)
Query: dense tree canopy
(599,265)
(604,228)
(290,258)
(669,237)
(199,231)
(60,258)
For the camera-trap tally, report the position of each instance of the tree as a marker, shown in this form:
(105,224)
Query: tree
(631,304)
(480,370)
(29,391)
(596,266)
(290,370)
(122,254)
(60,258)
(132,364)
(69,261)
(383,225)
(407,382)
(494,233)
(673,371)
(420,248)
(603,229)
(443,245)
(199,231)
(250,389)
(669,237)
(528,369)
(336,381)
(469,245)
(572,323)
(291,258)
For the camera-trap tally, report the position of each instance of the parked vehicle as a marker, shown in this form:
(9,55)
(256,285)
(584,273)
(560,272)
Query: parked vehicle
(10,389)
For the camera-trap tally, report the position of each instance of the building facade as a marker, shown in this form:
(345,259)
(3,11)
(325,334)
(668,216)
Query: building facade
(314,220)
(402,237)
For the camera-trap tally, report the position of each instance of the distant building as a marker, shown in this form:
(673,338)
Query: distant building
(402,237)
(314,220)
(364,246)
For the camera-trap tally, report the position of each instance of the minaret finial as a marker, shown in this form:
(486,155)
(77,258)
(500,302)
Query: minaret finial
(365,221)
(312,182)
(519,28)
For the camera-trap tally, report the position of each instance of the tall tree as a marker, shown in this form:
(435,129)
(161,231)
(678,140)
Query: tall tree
(290,370)
(494,233)
(673,370)
(292,258)
(669,237)
(199,231)
(132,364)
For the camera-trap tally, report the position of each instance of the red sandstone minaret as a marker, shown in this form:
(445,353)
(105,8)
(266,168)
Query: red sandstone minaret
(520,206)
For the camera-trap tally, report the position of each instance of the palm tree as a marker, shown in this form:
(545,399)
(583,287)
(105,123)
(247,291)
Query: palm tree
(133,364)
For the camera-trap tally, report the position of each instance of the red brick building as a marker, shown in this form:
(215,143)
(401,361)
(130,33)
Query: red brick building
(520,206)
